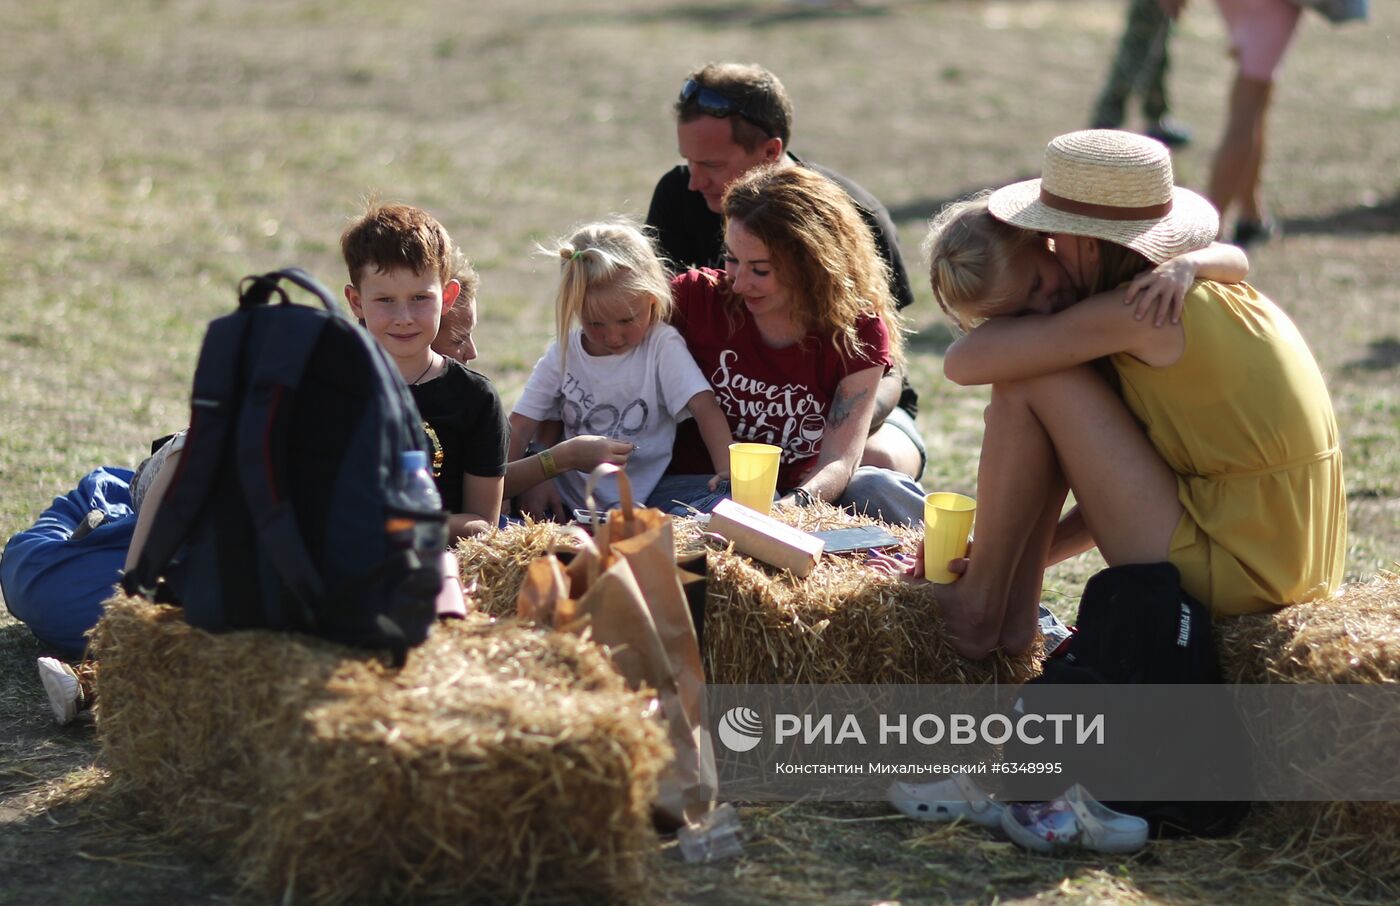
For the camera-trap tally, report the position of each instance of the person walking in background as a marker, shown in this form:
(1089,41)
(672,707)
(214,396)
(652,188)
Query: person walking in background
(1140,68)
(1260,33)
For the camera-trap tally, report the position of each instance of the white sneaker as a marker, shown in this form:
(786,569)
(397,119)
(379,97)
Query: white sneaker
(947,800)
(61,684)
(1075,820)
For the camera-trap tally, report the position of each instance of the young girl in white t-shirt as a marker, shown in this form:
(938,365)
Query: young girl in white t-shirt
(617,377)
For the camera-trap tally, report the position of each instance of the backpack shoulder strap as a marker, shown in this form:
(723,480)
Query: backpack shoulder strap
(261,454)
(212,410)
(262,432)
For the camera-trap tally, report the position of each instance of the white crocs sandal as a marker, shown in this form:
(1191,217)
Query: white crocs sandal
(947,800)
(61,684)
(1076,820)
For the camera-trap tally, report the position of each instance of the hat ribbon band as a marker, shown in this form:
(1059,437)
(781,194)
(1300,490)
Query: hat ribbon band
(1103,211)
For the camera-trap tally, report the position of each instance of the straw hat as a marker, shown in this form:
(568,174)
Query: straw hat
(1111,185)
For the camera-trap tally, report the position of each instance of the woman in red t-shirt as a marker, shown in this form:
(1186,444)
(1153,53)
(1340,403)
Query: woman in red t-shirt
(795,335)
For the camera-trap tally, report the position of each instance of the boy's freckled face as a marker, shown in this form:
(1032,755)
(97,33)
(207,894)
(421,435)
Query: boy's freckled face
(400,308)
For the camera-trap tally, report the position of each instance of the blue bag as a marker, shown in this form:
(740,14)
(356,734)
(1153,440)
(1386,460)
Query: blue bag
(55,585)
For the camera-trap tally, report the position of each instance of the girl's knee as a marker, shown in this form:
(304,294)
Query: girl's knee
(1074,379)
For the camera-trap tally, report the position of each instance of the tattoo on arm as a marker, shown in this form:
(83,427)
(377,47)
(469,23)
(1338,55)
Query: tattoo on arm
(843,405)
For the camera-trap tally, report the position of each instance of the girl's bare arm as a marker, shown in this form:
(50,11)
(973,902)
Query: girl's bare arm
(1166,285)
(714,430)
(1027,346)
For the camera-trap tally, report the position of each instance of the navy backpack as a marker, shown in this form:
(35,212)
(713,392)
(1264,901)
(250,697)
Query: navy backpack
(276,517)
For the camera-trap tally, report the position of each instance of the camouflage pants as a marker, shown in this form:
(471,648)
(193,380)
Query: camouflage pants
(1139,67)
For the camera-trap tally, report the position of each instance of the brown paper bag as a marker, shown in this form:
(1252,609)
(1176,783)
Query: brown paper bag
(625,593)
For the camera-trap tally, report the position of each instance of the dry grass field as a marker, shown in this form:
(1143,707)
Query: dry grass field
(154,151)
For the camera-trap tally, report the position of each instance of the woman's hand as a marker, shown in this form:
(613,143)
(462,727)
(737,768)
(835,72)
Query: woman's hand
(916,569)
(843,437)
(958,566)
(1163,288)
(588,451)
(720,477)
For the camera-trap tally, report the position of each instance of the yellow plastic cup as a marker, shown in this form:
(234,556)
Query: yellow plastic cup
(947,525)
(753,475)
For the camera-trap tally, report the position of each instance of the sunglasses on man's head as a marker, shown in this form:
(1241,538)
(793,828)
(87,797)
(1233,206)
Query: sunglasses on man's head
(716,103)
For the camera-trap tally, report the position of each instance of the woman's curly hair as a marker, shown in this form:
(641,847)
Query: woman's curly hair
(821,250)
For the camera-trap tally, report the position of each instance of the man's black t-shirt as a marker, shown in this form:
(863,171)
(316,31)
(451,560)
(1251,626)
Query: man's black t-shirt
(691,235)
(466,429)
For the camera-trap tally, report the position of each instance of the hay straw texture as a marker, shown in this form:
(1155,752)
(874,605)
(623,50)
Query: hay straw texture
(844,623)
(1353,637)
(500,763)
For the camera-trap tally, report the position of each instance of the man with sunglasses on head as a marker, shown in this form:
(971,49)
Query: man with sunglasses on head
(730,118)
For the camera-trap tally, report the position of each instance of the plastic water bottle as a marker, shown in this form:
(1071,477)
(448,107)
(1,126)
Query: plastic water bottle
(715,837)
(419,491)
(416,493)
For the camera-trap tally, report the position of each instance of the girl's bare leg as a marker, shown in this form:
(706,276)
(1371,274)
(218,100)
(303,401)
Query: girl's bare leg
(1071,427)
(1020,624)
(1020,491)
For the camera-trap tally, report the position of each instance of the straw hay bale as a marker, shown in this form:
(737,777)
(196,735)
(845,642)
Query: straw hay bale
(844,623)
(1352,637)
(496,561)
(501,762)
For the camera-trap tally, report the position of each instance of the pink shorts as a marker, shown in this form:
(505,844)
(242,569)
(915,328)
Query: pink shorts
(1259,34)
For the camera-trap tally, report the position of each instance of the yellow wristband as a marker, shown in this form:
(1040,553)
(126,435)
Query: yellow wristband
(547,463)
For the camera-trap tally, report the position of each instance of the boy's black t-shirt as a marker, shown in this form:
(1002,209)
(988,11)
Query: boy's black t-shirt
(466,429)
